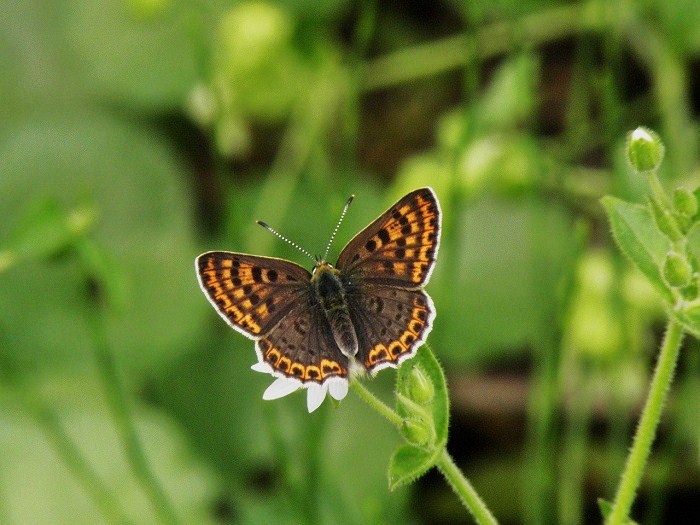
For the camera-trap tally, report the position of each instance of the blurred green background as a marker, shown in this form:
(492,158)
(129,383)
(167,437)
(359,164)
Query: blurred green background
(136,134)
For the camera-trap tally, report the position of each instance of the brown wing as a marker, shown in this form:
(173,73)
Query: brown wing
(251,293)
(398,248)
(390,324)
(301,346)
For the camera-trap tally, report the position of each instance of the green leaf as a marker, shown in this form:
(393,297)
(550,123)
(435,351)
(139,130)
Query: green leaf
(409,463)
(639,239)
(439,407)
(605,508)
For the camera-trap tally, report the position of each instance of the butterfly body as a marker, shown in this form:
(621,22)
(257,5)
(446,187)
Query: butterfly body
(368,311)
(331,293)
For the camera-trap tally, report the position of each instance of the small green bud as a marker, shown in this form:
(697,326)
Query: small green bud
(645,151)
(420,387)
(416,432)
(409,408)
(665,222)
(685,202)
(677,270)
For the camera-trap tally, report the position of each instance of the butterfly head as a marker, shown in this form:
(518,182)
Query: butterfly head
(320,267)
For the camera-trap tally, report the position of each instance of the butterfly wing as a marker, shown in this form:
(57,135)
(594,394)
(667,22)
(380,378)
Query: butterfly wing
(390,324)
(251,293)
(399,247)
(301,346)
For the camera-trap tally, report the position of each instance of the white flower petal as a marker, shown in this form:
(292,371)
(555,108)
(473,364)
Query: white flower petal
(642,134)
(262,366)
(338,389)
(282,386)
(316,395)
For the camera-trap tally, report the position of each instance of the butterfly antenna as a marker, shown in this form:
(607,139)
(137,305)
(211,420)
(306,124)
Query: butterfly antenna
(342,216)
(279,235)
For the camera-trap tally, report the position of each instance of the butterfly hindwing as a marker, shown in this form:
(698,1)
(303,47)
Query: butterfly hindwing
(399,247)
(390,323)
(251,293)
(302,346)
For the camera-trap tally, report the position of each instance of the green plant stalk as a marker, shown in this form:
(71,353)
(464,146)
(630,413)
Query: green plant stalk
(377,404)
(648,423)
(70,454)
(461,486)
(117,401)
(312,445)
(445,464)
(573,455)
(657,190)
(540,464)
(291,494)
(455,52)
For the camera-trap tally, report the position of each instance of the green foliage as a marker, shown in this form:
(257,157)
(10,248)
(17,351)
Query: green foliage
(423,404)
(673,276)
(636,233)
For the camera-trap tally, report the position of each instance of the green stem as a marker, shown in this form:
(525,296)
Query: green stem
(657,190)
(445,464)
(648,423)
(461,486)
(376,403)
(102,496)
(458,51)
(117,401)
(573,454)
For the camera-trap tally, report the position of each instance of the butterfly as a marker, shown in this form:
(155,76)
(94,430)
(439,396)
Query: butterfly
(315,329)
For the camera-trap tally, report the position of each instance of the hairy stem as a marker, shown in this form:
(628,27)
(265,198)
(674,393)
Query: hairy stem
(376,403)
(461,486)
(445,464)
(648,423)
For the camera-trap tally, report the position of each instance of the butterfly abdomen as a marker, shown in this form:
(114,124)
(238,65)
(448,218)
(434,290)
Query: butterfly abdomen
(330,293)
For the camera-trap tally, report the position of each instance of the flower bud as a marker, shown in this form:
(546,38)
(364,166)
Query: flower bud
(410,409)
(645,151)
(677,270)
(420,387)
(685,202)
(416,432)
(665,222)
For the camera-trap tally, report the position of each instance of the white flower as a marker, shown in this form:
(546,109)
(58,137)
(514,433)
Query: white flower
(316,393)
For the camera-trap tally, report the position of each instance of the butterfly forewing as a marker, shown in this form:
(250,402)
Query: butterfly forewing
(399,248)
(390,323)
(251,293)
